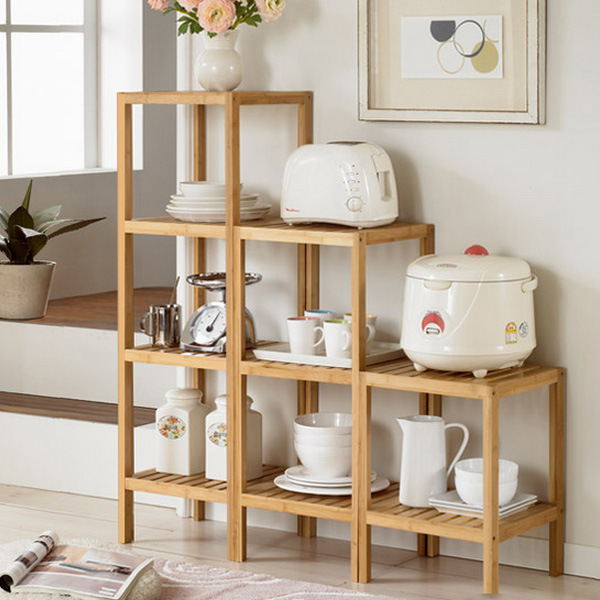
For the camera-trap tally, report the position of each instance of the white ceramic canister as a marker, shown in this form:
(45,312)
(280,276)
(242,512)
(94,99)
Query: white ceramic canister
(180,432)
(216,441)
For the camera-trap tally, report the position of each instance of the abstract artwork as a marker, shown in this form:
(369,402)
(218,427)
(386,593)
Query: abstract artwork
(465,47)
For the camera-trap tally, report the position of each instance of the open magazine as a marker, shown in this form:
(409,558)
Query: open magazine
(93,572)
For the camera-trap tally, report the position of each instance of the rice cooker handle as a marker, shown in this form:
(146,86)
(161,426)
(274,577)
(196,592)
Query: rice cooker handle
(437,285)
(530,284)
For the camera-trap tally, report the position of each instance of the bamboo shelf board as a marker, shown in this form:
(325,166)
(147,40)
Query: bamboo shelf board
(170,226)
(175,357)
(215,98)
(283,370)
(386,511)
(276,230)
(264,494)
(401,375)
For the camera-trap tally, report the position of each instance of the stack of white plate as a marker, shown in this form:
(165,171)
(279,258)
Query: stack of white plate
(204,202)
(300,479)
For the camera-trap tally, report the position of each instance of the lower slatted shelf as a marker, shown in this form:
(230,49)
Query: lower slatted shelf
(386,511)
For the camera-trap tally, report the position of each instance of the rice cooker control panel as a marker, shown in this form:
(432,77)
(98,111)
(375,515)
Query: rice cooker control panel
(433,324)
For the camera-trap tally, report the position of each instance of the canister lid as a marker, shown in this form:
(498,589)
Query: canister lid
(184,395)
(468,268)
(222,400)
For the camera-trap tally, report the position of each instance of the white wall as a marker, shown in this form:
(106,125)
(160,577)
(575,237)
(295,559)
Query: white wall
(526,191)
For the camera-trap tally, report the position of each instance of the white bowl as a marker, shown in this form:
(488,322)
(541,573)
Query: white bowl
(472,469)
(325,461)
(323,440)
(201,189)
(472,492)
(324,423)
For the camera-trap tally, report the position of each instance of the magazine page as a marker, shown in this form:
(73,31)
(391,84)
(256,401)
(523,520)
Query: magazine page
(86,572)
(24,563)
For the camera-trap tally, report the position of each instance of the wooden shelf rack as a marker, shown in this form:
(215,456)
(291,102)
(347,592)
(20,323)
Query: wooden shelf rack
(360,509)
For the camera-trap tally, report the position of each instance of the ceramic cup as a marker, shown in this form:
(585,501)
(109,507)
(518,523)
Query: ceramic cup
(162,323)
(338,337)
(370,320)
(323,315)
(302,332)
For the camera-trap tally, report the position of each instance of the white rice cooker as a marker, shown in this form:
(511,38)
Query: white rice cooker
(470,312)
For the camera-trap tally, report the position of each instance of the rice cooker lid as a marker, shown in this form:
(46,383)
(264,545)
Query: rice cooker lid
(473,266)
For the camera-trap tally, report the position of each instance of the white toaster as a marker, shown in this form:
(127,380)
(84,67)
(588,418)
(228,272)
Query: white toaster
(347,183)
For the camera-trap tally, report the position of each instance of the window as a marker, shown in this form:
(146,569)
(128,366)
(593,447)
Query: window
(61,64)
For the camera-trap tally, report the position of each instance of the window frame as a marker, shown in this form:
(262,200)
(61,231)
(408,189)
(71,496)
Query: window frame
(89,29)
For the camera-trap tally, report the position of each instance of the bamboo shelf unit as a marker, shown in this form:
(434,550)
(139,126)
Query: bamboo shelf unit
(360,510)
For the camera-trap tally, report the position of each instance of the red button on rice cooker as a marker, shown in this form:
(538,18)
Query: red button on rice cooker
(433,318)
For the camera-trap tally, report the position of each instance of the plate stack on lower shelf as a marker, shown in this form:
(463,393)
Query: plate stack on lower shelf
(450,502)
(299,479)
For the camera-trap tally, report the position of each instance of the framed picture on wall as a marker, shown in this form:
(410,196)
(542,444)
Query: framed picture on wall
(478,61)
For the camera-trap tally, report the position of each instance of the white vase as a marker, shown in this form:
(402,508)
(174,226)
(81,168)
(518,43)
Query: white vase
(25,289)
(216,441)
(219,67)
(180,432)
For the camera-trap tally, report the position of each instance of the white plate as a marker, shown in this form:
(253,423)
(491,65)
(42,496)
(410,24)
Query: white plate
(218,209)
(380,352)
(200,199)
(380,483)
(450,502)
(301,475)
(218,216)
(212,204)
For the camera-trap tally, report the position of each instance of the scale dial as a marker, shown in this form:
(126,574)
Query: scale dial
(209,324)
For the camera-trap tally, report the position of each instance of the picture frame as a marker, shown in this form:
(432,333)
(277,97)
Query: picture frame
(467,61)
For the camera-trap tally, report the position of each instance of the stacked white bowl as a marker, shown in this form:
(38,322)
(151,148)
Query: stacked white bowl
(205,201)
(323,442)
(469,481)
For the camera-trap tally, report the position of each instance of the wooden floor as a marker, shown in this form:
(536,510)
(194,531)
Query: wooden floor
(159,532)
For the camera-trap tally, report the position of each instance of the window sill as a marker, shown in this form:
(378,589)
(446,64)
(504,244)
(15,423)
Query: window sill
(91,171)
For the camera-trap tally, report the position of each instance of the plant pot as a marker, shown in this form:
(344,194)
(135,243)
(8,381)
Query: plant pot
(24,289)
(219,67)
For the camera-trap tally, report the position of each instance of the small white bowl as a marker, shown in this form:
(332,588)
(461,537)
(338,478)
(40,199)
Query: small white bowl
(202,189)
(472,492)
(472,469)
(324,423)
(323,440)
(325,461)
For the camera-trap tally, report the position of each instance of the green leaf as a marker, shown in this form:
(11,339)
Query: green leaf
(4,247)
(49,224)
(45,216)
(25,203)
(183,28)
(79,224)
(20,217)
(31,238)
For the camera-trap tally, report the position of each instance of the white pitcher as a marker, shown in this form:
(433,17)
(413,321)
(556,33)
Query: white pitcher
(423,471)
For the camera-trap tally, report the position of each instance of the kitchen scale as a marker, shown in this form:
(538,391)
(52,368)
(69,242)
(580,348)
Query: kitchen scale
(206,329)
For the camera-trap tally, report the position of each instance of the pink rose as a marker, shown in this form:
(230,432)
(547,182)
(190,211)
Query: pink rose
(270,10)
(189,4)
(216,16)
(158,4)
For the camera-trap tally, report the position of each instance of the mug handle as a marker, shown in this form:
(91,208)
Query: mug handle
(143,324)
(322,332)
(462,446)
(370,332)
(348,341)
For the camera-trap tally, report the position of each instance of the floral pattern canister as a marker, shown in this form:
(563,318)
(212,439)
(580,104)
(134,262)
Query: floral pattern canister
(180,433)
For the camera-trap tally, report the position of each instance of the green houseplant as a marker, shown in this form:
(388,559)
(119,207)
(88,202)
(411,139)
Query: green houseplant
(25,282)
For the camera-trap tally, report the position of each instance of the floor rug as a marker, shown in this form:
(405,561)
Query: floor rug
(170,580)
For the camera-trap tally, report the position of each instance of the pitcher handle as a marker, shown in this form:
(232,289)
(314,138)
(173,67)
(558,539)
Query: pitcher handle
(147,324)
(462,446)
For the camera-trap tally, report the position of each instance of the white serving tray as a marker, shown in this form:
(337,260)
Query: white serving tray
(380,352)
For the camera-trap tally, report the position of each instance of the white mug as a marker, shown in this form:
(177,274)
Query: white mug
(338,337)
(371,321)
(301,331)
(323,315)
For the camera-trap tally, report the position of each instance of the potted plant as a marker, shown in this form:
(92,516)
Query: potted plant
(24,282)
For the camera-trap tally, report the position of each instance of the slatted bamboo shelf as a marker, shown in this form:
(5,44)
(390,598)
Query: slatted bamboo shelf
(360,510)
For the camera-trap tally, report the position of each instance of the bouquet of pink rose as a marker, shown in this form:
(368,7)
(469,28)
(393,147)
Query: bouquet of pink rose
(218,16)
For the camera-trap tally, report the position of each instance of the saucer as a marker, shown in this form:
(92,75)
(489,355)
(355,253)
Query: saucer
(302,476)
(281,481)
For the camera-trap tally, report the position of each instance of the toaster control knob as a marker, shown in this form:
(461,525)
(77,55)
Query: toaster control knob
(354,204)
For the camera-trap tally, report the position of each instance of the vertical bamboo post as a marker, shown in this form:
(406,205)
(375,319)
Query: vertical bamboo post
(427,243)
(361,446)
(236,337)
(199,174)
(422,537)
(125,317)
(434,407)
(491,521)
(556,474)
